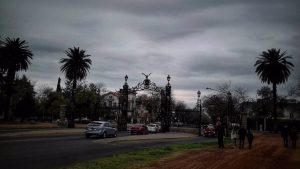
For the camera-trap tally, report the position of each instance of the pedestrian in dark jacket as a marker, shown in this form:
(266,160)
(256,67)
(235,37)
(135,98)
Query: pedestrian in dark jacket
(285,135)
(250,137)
(294,136)
(220,134)
(242,135)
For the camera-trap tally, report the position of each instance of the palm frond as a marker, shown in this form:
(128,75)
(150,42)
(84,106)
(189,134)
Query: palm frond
(76,65)
(273,66)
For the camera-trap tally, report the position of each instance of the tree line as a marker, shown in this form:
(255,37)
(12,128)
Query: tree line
(16,56)
(18,98)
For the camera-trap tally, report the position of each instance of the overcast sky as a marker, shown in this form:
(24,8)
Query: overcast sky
(200,43)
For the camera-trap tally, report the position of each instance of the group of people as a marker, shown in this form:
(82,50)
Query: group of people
(242,133)
(236,132)
(287,132)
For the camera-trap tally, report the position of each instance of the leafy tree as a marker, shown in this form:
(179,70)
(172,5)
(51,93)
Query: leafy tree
(2,92)
(99,90)
(273,67)
(75,67)
(295,90)
(43,101)
(85,101)
(2,83)
(216,106)
(265,92)
(263,106)
(226,101)
(152,103)
(14,56)
(180,112)
(240,95)
(49,102)
(23,103)
(231,101)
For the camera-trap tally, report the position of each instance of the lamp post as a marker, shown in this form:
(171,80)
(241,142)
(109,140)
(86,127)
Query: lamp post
(228,109)
(122,122)
(98,105)
(167,118)
(200,109)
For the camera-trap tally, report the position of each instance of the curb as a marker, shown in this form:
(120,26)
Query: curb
(41,133)
(133,138)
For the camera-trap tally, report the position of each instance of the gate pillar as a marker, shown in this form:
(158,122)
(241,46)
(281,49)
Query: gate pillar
(122,120)
(166,110)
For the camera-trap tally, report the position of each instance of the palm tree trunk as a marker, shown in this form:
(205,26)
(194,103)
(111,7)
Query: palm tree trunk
(275,105)
(9,90)
(71,123)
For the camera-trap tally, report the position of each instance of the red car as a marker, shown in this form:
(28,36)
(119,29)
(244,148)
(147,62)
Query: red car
(139,129)
(209,131)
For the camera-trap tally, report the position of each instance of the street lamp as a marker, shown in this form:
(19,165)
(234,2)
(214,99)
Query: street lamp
(122,122)
(98,105)
(167,118)
(168,78)
(228,107)
(200,109)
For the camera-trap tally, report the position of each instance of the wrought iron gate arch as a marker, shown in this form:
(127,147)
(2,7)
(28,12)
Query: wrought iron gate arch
(165,98)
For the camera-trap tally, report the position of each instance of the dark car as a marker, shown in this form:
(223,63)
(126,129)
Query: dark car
(139,129)
(209,131)
(101,129)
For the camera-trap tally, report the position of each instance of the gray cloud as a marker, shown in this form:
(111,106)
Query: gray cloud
(199,43)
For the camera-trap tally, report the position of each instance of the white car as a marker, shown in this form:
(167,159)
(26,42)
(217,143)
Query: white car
(153,128)
(159,125)
(101,129)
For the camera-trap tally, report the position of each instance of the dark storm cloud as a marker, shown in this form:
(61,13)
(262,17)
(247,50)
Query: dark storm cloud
(238,62)
(199,43)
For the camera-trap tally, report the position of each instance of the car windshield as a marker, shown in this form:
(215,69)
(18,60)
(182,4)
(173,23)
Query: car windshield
(95,124)
(151,125)
(210,127)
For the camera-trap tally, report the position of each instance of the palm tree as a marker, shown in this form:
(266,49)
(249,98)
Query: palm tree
(75,67)
(273,67)
(14,56)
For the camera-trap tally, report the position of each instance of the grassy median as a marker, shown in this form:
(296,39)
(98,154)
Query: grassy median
(138,159)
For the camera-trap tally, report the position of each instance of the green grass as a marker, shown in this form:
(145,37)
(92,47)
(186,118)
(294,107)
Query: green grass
(138,159)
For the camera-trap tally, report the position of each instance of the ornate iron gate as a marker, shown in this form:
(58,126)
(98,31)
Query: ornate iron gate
(165,97)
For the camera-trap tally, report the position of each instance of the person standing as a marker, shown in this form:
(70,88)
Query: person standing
(220,133)
(285,135)
(242,135)
(234,133)
(294,136)
(250,137)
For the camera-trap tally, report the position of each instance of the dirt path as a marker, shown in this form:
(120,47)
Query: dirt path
(267,153)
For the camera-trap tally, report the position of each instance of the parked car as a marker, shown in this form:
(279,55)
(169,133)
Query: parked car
(83,120)
(100,128)
(139,129)
(153,128)
(209,131)
(159,126)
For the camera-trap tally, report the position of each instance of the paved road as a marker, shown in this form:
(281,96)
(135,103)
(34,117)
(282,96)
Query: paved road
(55,152)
